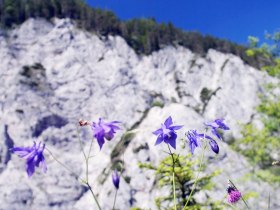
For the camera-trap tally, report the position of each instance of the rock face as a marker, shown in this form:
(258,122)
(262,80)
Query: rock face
(52,75)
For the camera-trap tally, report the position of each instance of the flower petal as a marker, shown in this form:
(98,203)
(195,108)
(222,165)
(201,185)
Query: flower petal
(20,151)
(100,140)
(106,128)
(212,124)
(158,131)
(221,124)
(192,146)
(168,122)
(193,138)
(43,164)
(171,139)
(115,122)
(216,133)
(159,139)
(110,135)
(176,127)
(30,168)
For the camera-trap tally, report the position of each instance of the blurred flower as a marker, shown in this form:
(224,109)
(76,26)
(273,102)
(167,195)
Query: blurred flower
(103,130)
(195,141)
(116,179)
(233,195)
(33,156)
(218,123)
(167,133)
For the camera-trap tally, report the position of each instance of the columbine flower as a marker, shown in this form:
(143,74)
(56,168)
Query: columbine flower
(116,179)
(103,130)
(167,133)
(218,123)
(233,195)
(195,141)
(33,156)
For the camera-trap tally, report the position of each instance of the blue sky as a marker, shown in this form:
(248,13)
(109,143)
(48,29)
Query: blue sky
(230,19)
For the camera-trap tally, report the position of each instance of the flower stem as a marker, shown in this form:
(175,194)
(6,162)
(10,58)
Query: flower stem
(115,198)
(268,201)
(174,190)
(173,178)
(89,187)
(64,166)
(87,157)
(196,179)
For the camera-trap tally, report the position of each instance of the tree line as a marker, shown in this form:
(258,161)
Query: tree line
(143,35)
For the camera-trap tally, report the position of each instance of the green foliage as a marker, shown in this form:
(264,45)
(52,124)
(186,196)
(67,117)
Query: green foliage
(158,103)
(271,176)
(274,70)
(143,35)
(275,46)
(205,95)
(184,182)
(250,195)
(253,41)
(259,144)
(256,50)
(271,50)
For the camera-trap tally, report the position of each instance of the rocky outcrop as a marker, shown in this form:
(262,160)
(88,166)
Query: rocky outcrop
(52,75)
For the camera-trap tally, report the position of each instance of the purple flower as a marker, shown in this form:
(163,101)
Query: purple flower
(116,179)
(103,130)
(33,156)
(167,133)
(213,144)
(233,195)
(218,123)
(195,141)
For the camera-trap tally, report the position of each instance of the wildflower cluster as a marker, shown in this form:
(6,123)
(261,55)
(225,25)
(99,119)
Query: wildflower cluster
(166,133)
(196,138)
(34,155)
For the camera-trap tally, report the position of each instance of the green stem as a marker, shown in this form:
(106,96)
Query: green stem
(89,187)
(174,190)
(173,178)
(81,144)
(115,198)
(196,179)
(87,157)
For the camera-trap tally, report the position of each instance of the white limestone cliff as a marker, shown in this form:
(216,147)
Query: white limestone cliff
(52,75)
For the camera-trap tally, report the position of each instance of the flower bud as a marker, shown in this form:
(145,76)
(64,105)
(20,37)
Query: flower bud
(116,179)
